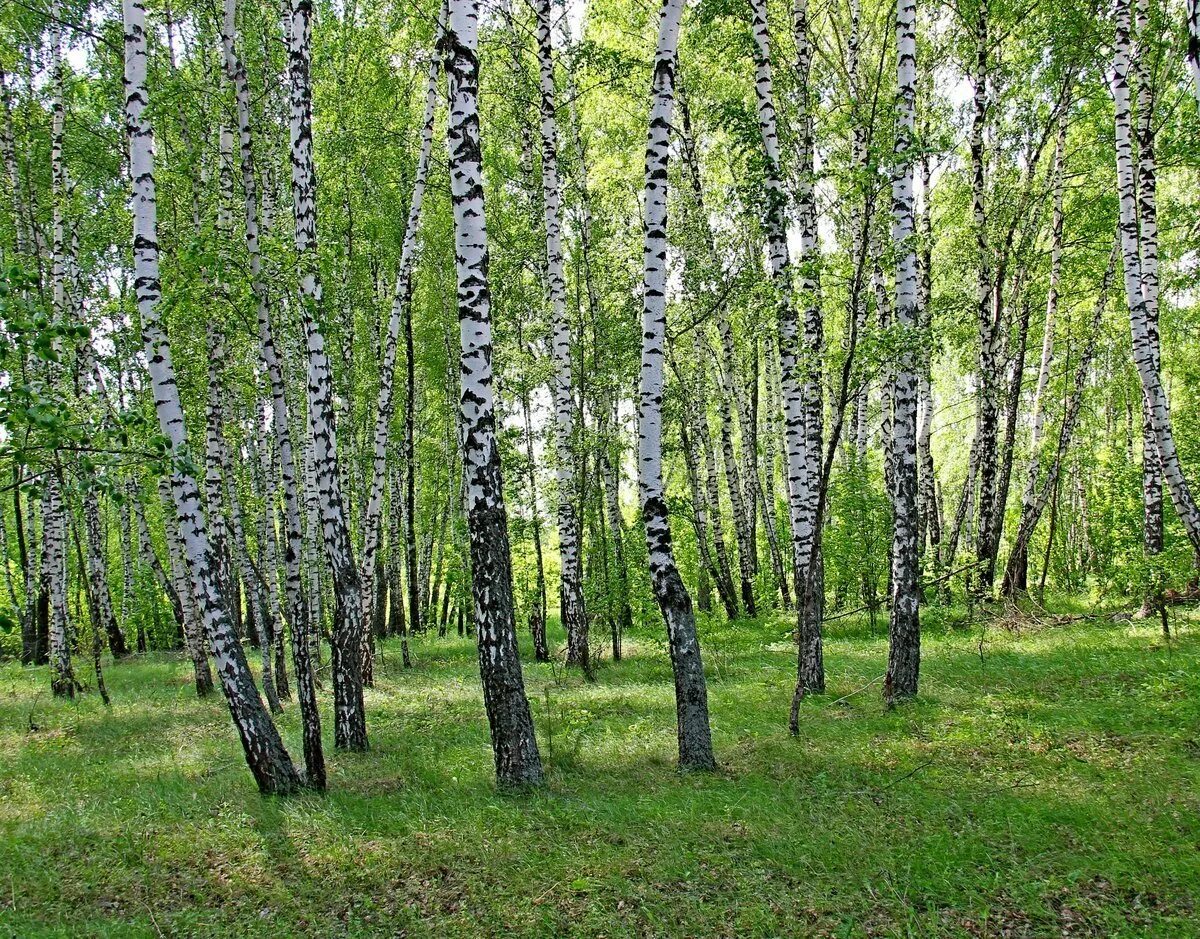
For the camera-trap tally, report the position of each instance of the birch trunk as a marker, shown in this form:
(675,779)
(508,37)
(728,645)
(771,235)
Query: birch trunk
(928,517)
(1037,494)
(800,364)
(1016,571)
(571,607)
(54,572)
(1135,296)
(537,616)
(904,628)
(987,423)
(401,313)
(514,745)
(297,606)
(97,570)
(1147,211)
(349,722)
(691,693)
(264,750)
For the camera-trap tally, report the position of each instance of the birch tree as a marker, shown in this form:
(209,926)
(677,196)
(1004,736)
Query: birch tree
(514,745)
(1135,286)
(571,607)
(280,417)
(691,692)
(268,760)
(904,628)
(1147,218)
(400,313)
(349,717)
(54,571)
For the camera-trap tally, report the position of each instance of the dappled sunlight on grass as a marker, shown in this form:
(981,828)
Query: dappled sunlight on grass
(1047,770)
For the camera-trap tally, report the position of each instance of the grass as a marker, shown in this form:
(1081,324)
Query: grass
(1046,783)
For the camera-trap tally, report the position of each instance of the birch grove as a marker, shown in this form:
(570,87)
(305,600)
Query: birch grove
(763,319)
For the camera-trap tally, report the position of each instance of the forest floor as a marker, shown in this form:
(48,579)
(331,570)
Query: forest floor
(1046,783)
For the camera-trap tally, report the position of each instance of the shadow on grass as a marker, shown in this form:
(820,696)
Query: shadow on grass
(1046,785)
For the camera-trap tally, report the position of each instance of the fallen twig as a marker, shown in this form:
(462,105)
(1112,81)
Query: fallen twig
(857,690)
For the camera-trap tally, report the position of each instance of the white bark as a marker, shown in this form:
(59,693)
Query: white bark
(54,575)
(571,606)
(350,727)
(691,695)
(401,303)
(904,627)
(265,754)
(513,742)
(1135,296)
(1147,210)
(1056,258)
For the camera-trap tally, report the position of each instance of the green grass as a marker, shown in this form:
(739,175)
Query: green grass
(1047,783)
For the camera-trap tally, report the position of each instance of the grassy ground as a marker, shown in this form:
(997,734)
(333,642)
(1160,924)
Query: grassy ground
(1046,783)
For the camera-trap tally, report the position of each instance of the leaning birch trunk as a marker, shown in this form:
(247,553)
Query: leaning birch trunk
(1143,348)
(401,302)
(297,607)
(170,584)
(1147,212)
(1016,572)
(264,750)
(571,608)
(514,745)
(729,396)
(349,717)
(904,628)
(691,692)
